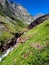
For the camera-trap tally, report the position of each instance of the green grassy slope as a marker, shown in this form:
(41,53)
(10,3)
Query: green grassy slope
(10,26)
(34,51)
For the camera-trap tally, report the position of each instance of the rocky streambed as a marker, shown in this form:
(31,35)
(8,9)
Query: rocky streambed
(8,46)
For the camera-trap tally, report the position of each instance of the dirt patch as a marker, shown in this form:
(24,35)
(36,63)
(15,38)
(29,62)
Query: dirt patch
(27,54)
(15,60)
(23,40)
(37,46)
(47,43)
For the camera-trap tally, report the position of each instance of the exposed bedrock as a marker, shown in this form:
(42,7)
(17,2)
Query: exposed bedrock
(9,43)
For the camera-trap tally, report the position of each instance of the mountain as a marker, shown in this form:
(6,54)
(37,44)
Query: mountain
(22,13)
(17,10)
(26,37)
(13,18)
(10,24)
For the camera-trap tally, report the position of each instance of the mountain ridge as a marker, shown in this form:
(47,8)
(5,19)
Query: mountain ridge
(39,20)
(17,10)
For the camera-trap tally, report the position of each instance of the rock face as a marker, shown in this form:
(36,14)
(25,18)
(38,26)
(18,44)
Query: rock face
(17,10)
(9,43)
(38,21)
(2,2)
(21,12)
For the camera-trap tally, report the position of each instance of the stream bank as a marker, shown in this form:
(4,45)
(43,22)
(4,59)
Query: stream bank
(6,49)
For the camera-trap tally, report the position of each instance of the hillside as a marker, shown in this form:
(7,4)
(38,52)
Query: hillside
(9,25)
(33,48)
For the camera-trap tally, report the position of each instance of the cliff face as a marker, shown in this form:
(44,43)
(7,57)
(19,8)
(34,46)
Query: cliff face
(21,12)
(17,10)
(2,2)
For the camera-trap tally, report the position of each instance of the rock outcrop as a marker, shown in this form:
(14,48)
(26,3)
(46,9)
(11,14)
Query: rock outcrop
(38,21)
(9,43)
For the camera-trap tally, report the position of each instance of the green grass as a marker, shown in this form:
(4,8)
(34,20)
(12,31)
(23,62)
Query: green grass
(5,36)
(40,35)
(11,26)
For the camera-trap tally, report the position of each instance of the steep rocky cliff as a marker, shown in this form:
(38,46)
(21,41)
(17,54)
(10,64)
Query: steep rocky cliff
(17,10)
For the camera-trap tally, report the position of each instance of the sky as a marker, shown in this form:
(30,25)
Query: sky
(35,7)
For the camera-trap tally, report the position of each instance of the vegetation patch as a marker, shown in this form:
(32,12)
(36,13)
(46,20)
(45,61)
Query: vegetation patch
(35,50)
(5,36)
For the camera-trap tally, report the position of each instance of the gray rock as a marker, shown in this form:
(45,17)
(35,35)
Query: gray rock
(18,10)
